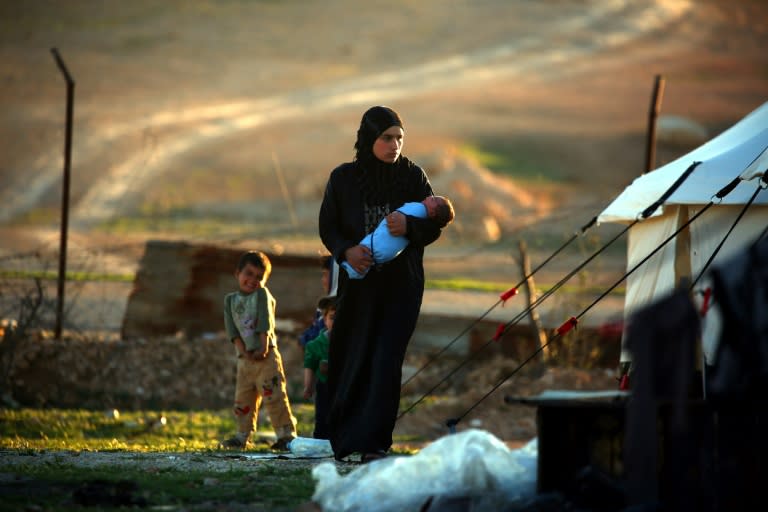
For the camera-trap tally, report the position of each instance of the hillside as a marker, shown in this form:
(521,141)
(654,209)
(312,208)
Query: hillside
(190,116)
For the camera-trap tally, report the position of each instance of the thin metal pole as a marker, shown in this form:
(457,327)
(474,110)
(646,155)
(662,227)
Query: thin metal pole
(284,190)
(64,193)
(650,146)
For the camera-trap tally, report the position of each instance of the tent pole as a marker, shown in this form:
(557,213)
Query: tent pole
(653,113)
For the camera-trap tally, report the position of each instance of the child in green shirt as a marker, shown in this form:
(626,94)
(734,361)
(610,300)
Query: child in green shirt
(316,368)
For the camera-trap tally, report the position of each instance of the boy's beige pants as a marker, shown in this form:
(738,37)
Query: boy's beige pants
(263,382)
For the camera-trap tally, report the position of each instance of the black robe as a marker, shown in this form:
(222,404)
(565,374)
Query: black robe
(376,315)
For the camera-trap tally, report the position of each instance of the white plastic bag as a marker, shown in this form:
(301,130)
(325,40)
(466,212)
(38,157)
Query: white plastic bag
(472,464)
(310,448)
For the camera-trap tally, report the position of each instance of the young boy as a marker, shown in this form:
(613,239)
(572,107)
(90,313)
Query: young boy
(316,368)
(385,247)
(329,280)
(249,319)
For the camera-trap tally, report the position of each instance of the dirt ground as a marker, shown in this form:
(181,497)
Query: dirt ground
(238,111)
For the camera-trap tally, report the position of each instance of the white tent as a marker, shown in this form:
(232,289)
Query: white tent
(739,152)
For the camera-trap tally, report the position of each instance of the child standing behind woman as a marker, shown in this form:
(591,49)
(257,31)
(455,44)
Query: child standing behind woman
(249,319)
(316,368)
(329,280)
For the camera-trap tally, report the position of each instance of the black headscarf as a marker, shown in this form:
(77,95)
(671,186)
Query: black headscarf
(380,182)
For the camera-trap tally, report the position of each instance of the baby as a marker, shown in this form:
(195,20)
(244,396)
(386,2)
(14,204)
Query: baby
(385,247)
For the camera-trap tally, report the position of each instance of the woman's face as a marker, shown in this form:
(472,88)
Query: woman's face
(388,146)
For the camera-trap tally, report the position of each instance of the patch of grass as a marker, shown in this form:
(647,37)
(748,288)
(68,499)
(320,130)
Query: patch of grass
(70,276)
(186,189)
(142,431)
(98,430)
(41,216)
(461,284)
(191,227)
(520,161)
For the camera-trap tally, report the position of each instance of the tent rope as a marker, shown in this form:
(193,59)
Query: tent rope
(517,318)
(679,181)
(573,321)
(451,423)
(645,214)
(506,295)
(760,187)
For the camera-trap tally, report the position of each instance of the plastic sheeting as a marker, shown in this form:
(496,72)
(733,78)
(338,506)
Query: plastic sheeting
(472,464)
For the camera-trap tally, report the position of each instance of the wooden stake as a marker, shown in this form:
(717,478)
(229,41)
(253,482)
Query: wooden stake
(530,295)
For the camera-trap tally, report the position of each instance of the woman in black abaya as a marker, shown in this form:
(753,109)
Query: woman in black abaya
(375,316)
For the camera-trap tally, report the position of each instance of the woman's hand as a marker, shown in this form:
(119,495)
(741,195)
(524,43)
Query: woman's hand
(359,257)
(397,224)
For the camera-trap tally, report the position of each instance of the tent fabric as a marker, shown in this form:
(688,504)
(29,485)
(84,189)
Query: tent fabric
(656,276)
(740,148)
(741,152)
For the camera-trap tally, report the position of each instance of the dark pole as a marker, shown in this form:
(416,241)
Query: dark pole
(64,193)
(650,146)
